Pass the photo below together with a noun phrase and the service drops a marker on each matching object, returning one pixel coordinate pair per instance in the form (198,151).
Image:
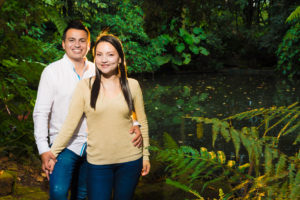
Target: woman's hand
(50,165)
(146,167)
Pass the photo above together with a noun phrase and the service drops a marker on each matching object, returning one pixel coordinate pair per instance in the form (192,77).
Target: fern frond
(294,15)
(184,188)
(215,132)
(269,169)
(281,165)
(58,20)
(278,122)
(235,135)
(211,182)
(169,142)
(292,129)
(295,187)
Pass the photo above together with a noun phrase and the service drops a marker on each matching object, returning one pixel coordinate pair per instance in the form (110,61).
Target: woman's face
(107,58)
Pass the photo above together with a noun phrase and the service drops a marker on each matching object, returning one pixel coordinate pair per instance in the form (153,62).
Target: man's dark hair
(76,24)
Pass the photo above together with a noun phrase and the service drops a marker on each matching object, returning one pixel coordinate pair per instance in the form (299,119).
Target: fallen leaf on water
(219,115)
(210,87)
(1,172)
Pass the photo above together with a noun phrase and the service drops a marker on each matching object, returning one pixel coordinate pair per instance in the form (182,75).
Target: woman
(110,102)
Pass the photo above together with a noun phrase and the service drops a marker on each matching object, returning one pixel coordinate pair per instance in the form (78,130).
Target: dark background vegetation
(159,37)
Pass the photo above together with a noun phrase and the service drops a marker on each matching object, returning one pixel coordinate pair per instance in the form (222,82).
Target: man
(56,86)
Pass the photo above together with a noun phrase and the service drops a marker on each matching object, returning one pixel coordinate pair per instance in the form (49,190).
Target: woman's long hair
(113,40)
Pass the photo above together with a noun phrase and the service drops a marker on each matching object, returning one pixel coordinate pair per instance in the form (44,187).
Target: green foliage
(165,106)
(16,101)
(182,44)
(286,117)
(122,18)
(235,31)
(24,49)
(288,51)
(184,188)
(127,23)
(294,15)
(268,173)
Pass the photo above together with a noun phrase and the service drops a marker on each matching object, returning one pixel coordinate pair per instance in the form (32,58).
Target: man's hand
(46,157)
(138,139)
(51,165)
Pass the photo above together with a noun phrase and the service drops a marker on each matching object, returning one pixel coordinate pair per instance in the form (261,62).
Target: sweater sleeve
(75,113)
(141,117)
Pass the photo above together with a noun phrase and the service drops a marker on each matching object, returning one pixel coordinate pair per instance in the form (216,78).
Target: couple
(89,124)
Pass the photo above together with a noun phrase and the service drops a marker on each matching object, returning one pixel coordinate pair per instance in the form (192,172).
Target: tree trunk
(248,11)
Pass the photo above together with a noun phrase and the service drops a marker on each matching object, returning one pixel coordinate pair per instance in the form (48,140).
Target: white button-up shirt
(57,83)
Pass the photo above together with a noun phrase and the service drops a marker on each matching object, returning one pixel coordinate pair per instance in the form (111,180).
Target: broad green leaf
(161,60)
(177,60)
(197,30)
(180,47)
(187,58)
(204,51)
(194,49)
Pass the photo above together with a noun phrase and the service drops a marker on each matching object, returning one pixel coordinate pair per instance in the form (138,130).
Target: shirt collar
(71,64)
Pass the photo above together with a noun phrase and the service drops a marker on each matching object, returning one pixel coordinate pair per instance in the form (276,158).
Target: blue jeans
(121,178)
(69,172)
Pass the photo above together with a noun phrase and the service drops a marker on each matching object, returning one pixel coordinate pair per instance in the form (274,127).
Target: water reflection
(170,96)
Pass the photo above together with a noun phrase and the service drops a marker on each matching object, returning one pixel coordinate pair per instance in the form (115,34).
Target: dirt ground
(30,181)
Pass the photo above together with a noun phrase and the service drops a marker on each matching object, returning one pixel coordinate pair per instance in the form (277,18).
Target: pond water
(168,97)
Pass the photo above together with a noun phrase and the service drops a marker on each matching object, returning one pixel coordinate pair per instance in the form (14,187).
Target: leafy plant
(269,173)
(288,51)
(165,106)
(182,44)
(23,51)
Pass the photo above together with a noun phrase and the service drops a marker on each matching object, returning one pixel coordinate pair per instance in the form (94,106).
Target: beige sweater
(109,140)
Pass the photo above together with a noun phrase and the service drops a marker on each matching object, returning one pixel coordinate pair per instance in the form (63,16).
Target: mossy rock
(7,181)
(27,193)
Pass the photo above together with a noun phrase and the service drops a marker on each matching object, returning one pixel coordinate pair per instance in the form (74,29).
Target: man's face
(76,44)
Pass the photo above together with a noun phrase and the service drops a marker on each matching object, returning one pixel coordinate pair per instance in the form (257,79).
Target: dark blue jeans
(69,172)
(120,178)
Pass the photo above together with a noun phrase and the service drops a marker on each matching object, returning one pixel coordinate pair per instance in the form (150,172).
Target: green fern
(276,174)
(58,20)
(294,15)
(184,188)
